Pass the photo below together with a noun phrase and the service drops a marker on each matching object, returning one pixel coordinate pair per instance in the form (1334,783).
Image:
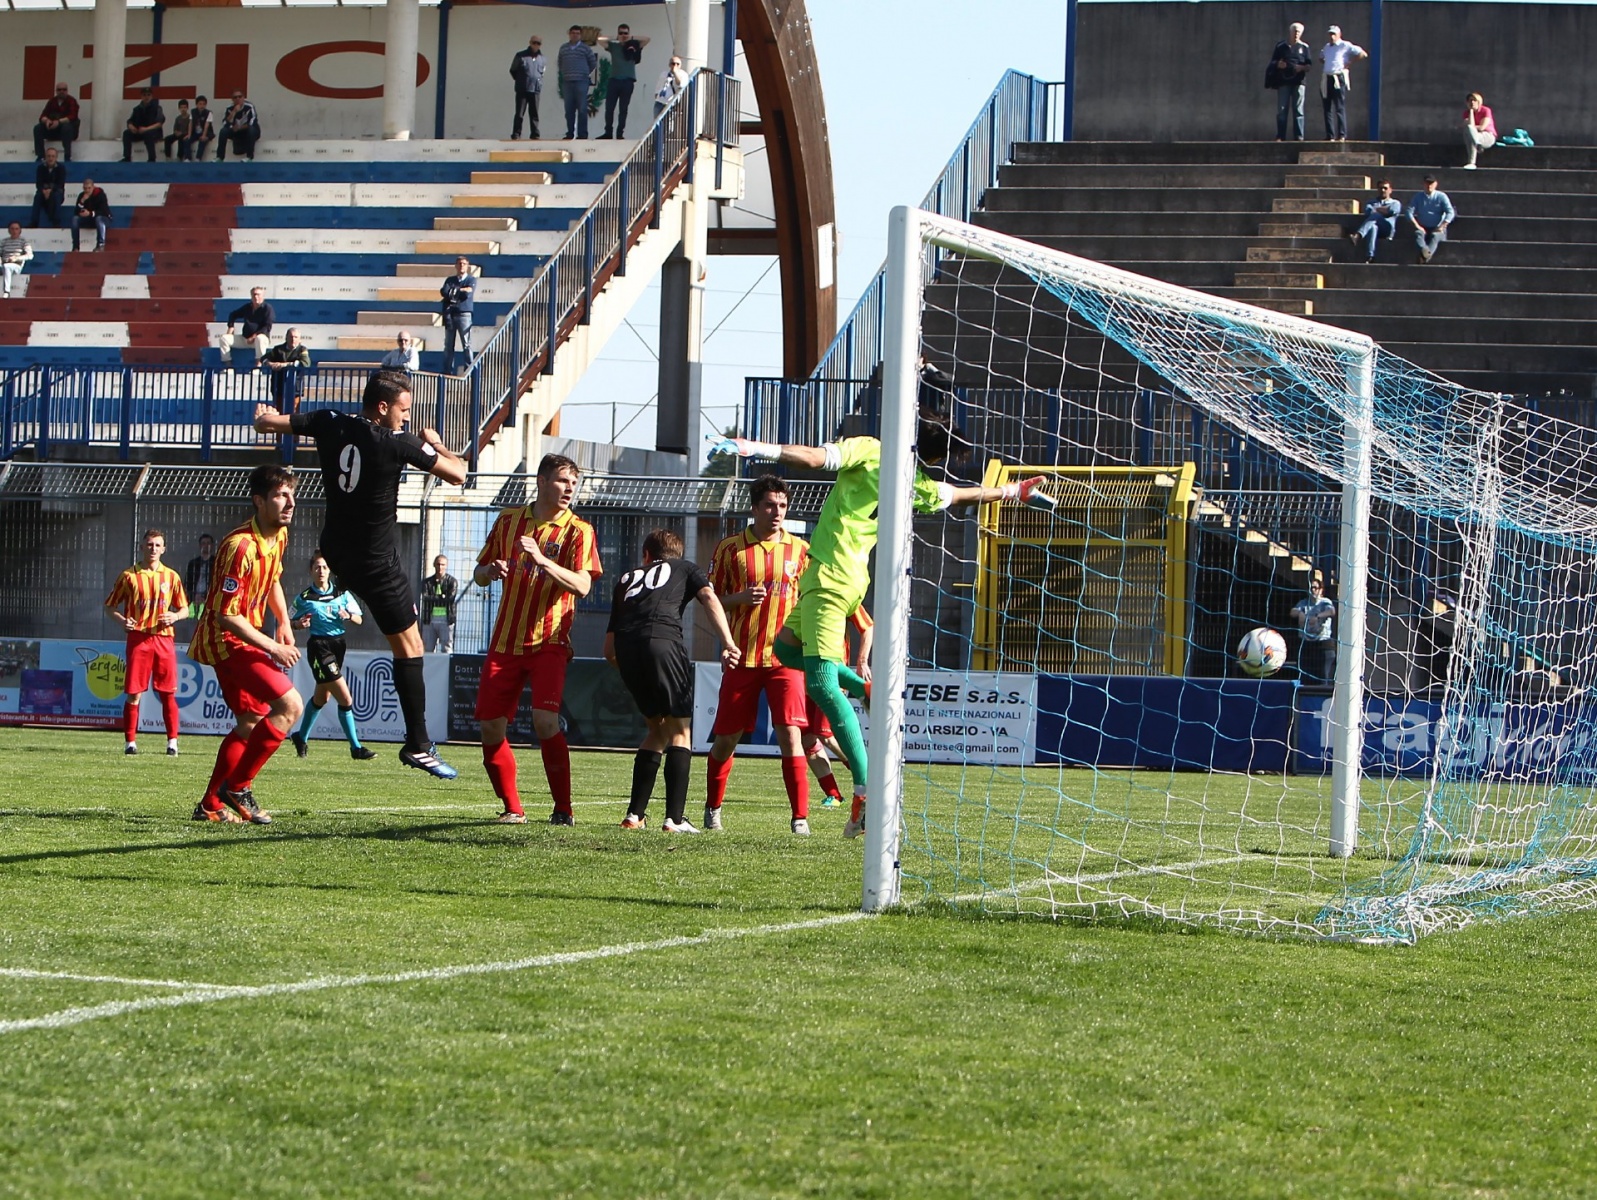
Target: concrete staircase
(1509,304)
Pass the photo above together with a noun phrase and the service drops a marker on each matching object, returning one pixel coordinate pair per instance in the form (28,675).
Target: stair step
(1291,204)
(1288,254)
(1277,280)
(476,224)
(422,270)
(1278,229)
(517,178)
(457,247)
(1297,308)
(355,341)
(408,295)
(388,317)
(1341,158)
(1351,182)
(518,200)
(543,156)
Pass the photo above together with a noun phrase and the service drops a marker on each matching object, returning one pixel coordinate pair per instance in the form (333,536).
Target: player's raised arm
(269,420)
(730,654)
(448,466)
(813,457)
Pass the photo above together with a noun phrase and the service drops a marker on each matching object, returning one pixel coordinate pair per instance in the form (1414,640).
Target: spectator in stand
(1480,131)
(404,356)
(241,127)
(16,252)
(575,67)
(286,363)
(91,210)
(144,125)
(527,70)
(1316,616)
(439,592)
(1380,216)
(1336,81)
(181,125)
(202,131)
(672,82)
(57,123)
(1432,212)
(626,52)
(1291,62)
(459,299)
(197,575)
(49,185)
(256,317)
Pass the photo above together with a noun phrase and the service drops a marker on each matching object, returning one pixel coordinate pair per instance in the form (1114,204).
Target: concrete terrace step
(1282,254)
(1279,229)
(1341,158)
(1082,197)
(517,178)
(529,156)
(1283,279)
(475,224)
(1297,204)
(394,317)
(1356,183)
(525,200)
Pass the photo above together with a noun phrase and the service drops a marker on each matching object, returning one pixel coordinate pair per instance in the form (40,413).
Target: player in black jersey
(362,459)
(644,643)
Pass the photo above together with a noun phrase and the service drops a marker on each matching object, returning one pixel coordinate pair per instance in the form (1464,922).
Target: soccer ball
(1261,652)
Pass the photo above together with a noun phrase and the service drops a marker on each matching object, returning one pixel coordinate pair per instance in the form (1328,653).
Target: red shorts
(739,703)
(251,681)
(818,724)
(151,656)
(504,675)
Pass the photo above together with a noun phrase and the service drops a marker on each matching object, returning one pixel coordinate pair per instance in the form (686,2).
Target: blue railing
(1021,109)
(207,408)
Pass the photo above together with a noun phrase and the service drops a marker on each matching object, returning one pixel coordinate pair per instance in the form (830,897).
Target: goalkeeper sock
(312,711)
(788,654)
(820,678)
(645,770)
(850,681)
(346,718)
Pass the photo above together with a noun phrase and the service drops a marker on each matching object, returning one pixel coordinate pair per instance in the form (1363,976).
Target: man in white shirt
(15,253)
(1336,82)
(405,356)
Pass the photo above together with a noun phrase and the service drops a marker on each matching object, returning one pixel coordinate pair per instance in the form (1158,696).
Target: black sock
(678,761)
(645,769)
(412,688)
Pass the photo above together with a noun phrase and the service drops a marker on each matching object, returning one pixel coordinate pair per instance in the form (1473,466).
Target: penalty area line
(208,993)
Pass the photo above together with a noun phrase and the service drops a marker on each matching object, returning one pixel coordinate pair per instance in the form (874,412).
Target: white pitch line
(206,993)
(69,977)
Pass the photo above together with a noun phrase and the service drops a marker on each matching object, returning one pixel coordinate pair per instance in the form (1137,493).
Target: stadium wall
(1168,72)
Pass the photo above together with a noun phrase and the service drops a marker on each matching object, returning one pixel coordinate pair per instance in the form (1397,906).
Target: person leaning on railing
(285,363)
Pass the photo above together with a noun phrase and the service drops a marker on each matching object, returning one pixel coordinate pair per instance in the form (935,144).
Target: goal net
(1061,723)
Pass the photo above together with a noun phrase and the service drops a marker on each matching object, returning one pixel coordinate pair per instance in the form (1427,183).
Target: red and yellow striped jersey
(534,610)
(145,594)
(248,564)
(742,561)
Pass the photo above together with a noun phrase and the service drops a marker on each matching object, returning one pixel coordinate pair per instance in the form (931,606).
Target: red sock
(795,773)
(169,713)
(500,763)
(227,756)
(557,765)
(263,743)
(718,770)
(828,781)
(130,721)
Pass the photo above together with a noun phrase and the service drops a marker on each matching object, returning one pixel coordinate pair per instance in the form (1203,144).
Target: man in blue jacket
(576,65)
(1432,212)
(459,297)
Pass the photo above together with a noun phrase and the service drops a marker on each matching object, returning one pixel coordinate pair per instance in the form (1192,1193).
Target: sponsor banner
(949,717)
(79,684)
(1163,723)
(597,709)
(1523,742)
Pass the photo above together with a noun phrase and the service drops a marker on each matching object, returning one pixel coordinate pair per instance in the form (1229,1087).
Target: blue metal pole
(693,127)
(588,264)
(1375,69)
(476,417)
(658,134)
(443,68)
(554,316)
(626,219)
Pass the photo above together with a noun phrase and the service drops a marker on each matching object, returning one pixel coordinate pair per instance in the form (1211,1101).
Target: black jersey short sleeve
(648,600)
(415,451)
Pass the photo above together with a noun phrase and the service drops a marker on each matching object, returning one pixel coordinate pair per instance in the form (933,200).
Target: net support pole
(885,755)
(1347,703)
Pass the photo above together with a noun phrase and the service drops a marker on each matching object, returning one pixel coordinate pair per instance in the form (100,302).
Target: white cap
(1334,29)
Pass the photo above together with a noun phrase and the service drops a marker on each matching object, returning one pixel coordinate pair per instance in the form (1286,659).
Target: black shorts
(326,655)
(380,584)
(658,675)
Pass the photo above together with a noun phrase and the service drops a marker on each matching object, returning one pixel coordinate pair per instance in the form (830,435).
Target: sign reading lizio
(988,719)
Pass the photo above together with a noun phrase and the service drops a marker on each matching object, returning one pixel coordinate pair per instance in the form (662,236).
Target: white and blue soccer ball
(1261,652)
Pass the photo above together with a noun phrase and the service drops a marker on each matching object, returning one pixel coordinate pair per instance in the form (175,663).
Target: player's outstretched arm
(730,654)
(813,457)
(269,420)
(1026,491)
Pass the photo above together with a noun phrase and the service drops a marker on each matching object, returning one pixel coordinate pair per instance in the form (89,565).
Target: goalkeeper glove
(745,448)
(1029,492)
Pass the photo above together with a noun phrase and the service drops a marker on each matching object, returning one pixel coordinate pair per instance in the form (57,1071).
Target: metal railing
(206,408)
(1021,108)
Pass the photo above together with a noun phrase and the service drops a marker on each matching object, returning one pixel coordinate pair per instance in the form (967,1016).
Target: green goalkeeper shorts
(820,618)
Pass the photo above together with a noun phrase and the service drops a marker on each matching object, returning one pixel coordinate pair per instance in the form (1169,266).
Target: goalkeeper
(834,583)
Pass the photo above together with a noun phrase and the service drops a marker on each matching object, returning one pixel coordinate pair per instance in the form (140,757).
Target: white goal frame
(910,232)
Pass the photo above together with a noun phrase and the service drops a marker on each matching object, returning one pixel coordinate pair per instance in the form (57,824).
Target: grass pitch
(383,994)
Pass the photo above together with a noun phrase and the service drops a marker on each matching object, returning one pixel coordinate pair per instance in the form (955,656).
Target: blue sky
(902,84)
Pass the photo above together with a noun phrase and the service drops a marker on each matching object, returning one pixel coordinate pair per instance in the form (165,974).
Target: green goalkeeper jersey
(845,534)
